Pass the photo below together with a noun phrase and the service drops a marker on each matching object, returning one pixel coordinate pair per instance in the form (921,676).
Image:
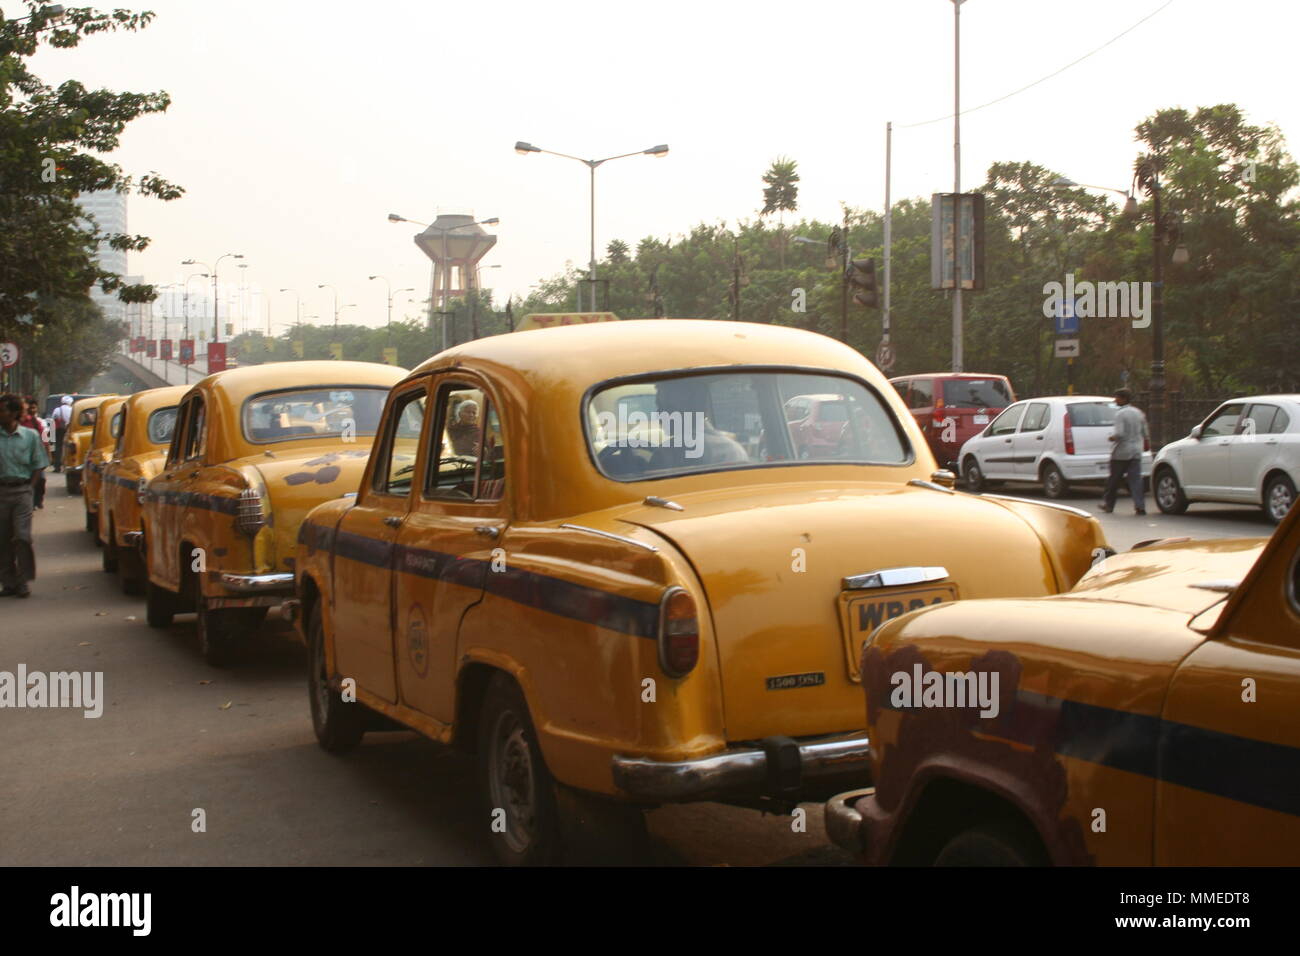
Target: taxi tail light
(141,486)
(251,518)
(679,633)
(1069,433)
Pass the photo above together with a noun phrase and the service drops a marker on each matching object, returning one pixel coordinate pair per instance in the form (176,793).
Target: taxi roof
(604,350)
(149,399)
(236,384)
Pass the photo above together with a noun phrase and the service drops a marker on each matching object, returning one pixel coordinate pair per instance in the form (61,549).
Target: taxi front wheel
(221,628)
(339,724)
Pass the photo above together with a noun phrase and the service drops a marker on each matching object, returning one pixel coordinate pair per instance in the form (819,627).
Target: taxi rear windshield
(313,413)
(161,423)
(976,392)
(679,424)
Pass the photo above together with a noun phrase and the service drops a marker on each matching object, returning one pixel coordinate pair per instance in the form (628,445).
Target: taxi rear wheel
(220,630)
(159,605)
(523,813)
(130,570)
(992,844)
(92,525)
(339,724)
(72,483)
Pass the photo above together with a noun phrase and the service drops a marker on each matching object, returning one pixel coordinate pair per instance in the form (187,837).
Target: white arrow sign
(1067,348)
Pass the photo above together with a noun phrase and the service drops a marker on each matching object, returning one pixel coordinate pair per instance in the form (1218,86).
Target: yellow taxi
(253,450)
(103,439)
(143,436)
(76,440)
(1151,716)
(594,555)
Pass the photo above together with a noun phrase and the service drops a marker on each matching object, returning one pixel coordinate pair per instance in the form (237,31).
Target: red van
(951,407)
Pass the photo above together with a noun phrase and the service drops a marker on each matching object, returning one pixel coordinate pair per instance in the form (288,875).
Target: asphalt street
(177,736)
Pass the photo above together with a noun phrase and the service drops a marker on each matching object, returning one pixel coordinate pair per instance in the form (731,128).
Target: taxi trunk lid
(295,482)
(773,560)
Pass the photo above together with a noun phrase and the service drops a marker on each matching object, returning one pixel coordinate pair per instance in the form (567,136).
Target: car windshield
(1083,414)
(161,423)
(671,425)
(313,413)
(976,392)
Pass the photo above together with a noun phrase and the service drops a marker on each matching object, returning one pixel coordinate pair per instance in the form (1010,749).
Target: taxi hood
(1186,576)
(772,559)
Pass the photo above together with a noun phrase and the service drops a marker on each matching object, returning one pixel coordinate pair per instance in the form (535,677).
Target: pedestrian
(22,459)
(32,420)
(62,417)
(1129,435)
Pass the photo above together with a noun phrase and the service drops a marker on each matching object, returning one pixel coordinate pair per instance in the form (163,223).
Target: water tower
(456,244)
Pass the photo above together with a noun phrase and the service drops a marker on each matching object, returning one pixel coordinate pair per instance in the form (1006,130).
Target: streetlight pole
(216,327)
(523,149)
(958,359)
(326,285)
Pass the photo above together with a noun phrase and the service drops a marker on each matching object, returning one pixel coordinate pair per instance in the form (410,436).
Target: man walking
(1129,435)
(62,416)
(22,459)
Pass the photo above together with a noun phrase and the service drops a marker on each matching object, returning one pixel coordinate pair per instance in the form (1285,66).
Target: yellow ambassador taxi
(76,440)
(593,555)
(253,450)
(103,438)
(143,436)
(1149,716)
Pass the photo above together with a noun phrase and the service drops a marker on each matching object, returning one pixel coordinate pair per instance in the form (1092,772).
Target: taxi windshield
(678,424)
(313,413)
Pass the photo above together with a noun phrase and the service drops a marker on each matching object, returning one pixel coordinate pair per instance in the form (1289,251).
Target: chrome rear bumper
(258,583)
(781,766)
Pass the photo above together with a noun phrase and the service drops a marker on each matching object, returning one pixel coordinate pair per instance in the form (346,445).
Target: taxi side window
(401,445)
(119,430)
(195,432)
(1035,418)
(469,447)
(178,435)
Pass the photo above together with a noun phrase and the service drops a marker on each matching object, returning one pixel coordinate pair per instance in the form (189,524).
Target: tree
(617,251)
(47,140)
(780,195)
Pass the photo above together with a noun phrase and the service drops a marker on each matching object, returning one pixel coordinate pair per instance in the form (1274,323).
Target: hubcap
(1053,482)
(511,781)
(1167,492)
(1279,501)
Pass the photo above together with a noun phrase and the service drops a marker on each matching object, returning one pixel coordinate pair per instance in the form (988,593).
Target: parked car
(1055,441)
(103,439)
(951,407)
(220,520)
(76,440)
(1160,693)
(1247,451)
(819,425)
(611,624)
(148,418)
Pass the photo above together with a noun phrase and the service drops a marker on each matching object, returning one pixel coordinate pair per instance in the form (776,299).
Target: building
(108,209)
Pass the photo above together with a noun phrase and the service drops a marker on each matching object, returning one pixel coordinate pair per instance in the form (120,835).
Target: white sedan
(1054,441)
(1247,451)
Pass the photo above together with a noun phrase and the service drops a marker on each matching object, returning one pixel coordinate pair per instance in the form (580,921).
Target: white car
(1054,441)
(1247,451)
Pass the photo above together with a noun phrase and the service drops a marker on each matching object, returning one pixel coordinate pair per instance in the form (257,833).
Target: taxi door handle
(194,473)
(487,530)
(393,521)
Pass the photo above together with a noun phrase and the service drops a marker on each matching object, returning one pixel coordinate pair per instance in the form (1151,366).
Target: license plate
(981,419)
(862,613)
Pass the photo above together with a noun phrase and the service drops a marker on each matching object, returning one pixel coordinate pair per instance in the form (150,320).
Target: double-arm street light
(524,149)
(216,328)
(388,286)
(1146,177)
(394,217)
(326,285)
(297,311)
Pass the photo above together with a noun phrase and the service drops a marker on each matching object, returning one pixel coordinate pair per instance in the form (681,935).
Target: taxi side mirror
(1196,432)
(944,477)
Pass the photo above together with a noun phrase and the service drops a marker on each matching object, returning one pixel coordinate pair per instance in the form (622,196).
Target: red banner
(137,344)
(216,357)
(151,348)
(166,349)
(187,352)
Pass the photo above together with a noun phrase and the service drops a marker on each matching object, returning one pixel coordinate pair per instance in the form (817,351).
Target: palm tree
(781,195)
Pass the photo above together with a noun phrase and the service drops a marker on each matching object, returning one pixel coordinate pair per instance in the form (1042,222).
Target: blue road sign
(1065,322)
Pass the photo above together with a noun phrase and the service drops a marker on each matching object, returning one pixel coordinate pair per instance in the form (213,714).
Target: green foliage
(47,140)
(69,349)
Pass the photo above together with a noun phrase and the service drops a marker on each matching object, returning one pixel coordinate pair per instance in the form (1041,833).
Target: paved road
(177,735)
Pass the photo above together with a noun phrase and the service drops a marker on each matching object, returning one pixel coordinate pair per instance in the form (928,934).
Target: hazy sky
(296,127)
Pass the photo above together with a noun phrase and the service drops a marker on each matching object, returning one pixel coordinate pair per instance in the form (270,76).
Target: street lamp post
(216,328)
(523,149)
(326,285)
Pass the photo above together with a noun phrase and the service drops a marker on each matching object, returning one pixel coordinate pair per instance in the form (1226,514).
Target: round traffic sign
(8,354)
(885,356)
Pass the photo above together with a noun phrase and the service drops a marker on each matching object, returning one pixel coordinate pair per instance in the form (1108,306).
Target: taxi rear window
(671,424)
(160,425)
(324,412)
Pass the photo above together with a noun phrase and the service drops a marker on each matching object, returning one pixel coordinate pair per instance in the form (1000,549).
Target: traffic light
(861,276)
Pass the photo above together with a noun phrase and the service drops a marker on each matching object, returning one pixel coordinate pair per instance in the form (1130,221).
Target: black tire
(92,525)
(130,571)
(992,844)
(1279,497)
(519,792)
(339,725)
(1168,492)
(973,475)
(221,630)
(72,483)
(1054,484)
(108,558)
(159,605)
